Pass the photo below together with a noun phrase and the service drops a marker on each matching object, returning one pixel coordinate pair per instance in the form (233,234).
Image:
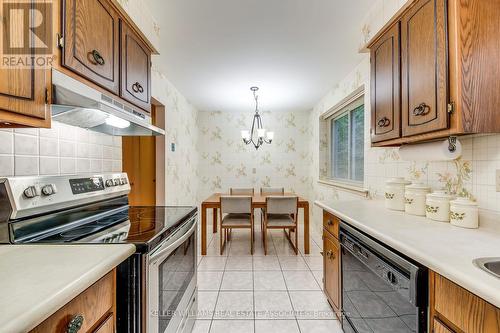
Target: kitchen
(151,145)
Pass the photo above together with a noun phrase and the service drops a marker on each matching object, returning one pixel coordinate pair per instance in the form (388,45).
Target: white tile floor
(280,292)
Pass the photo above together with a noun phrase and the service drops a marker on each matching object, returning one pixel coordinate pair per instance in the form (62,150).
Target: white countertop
(37,280)
(443,248)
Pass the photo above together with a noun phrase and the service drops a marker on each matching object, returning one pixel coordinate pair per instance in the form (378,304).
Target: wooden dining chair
(241,191)
(281,213)
(235,212)
(265,191)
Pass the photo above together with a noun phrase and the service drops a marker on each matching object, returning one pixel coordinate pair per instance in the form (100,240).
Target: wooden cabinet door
(91,39)
(107,326)
(331,270)
(135,70)
(424,79)
(440,328)
(22,88)
(385,87)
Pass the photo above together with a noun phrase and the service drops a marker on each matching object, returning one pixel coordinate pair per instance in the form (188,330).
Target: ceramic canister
(437,206)
(415,196)
(464,213)
(395,193)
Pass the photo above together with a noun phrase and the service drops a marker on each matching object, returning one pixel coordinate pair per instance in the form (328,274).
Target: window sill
(344,186)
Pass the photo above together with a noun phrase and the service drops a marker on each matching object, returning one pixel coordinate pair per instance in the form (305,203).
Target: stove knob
(49,189)
(124,181)
(116,181)
(109,183)
(32,191)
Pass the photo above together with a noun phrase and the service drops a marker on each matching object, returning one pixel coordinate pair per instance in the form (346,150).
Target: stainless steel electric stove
(157,285)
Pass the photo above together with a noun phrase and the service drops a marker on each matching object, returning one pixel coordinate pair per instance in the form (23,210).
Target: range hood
(77,104)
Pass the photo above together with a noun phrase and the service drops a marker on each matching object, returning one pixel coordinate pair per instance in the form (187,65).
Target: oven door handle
(167,248)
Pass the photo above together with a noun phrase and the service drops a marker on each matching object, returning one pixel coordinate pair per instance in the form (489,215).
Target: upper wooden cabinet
(91,41)
(385,92)
(424,79)
(448,74)
(23,90)
(135,84)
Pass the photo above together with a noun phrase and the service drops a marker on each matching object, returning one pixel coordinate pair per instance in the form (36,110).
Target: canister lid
(440,194)
(419,187)
(398,180)
(466,202)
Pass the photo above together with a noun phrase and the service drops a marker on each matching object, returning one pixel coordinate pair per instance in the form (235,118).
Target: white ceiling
(294,50)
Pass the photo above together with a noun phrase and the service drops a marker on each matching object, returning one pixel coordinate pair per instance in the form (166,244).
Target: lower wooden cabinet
(454,309)
(93,310)
(331,262)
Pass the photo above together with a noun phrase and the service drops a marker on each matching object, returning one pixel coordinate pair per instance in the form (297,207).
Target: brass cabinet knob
(329,222)
(330,255)
(75,324)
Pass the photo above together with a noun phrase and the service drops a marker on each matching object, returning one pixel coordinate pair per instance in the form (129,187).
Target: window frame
(346,110)
(346,105)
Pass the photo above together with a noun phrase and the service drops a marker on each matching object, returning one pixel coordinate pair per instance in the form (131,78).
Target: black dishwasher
(382,291)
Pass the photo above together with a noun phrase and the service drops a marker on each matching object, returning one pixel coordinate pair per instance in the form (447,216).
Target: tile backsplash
(62,149)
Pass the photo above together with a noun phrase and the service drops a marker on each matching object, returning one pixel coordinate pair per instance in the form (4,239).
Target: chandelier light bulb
(270,135)
(245,135)
(261,132)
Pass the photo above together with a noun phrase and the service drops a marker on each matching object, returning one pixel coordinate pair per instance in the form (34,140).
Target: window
(347,143)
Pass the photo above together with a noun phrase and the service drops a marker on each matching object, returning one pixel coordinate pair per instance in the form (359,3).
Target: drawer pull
(421,110)
(136,87)
(384,122)
(330,255)
(329,222)
(75,324)
(98,59)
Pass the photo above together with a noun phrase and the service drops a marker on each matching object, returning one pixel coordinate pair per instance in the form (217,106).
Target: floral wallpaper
(180,127)
(225,161)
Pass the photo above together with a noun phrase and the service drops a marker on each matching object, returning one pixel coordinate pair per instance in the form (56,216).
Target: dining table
(258,202)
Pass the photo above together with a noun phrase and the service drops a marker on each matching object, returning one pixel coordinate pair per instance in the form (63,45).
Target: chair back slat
(272,190)
(235,204)
(281,204)
(241,191)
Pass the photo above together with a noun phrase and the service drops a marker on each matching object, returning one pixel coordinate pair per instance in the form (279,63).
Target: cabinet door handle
(98,59)
(75,324)
(330,255)
(329,222)
(421,110)
(383,122)
(136,87)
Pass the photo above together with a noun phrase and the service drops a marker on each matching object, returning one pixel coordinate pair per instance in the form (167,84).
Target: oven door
(172,282)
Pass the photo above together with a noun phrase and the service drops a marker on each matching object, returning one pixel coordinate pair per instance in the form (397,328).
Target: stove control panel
(38,195)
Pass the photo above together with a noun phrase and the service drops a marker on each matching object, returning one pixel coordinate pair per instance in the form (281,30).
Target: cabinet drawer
(94,304)
(331,223)
(463,309)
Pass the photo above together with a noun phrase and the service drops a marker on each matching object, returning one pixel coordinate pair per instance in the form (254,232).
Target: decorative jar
(464,213)
(395,193)
(437,206)
(415,196)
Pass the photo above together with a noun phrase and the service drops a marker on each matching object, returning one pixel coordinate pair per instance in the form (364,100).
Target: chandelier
(261,137)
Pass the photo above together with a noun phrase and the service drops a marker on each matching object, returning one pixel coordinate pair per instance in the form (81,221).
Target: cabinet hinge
(60,41)
(451,107)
